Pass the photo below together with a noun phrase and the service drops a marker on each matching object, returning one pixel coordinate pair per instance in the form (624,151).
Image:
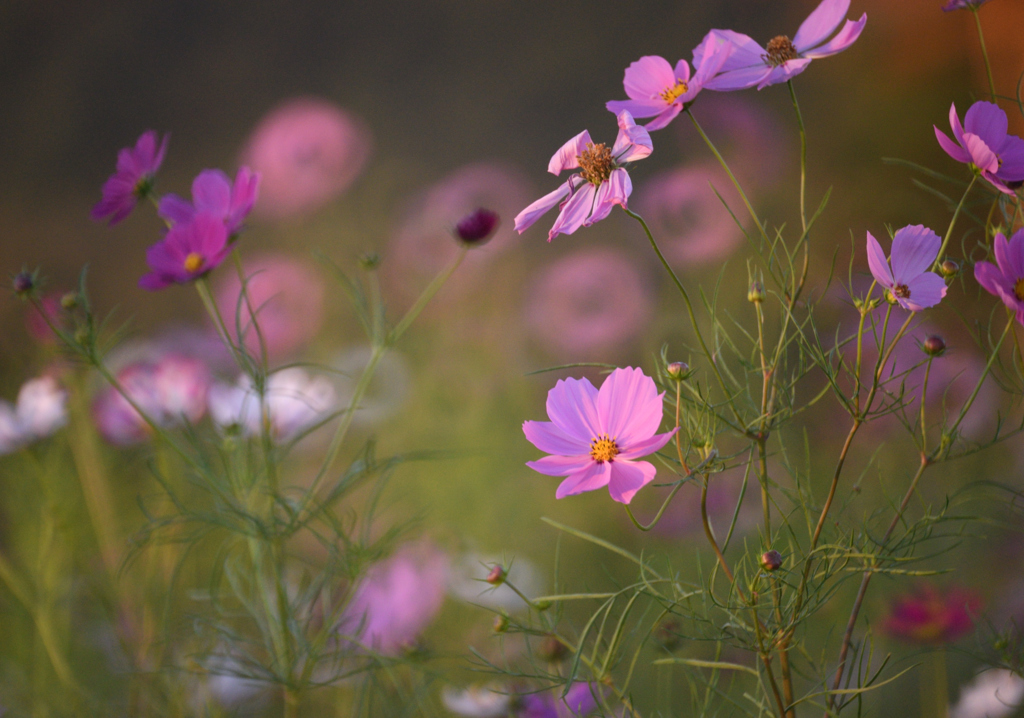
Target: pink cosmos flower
(982,142)
(1005,279)
(213,193)
(931,617)
(578,702)
(133,179)
(594,436)
(782,59)
(187,252)
(309,151)
(602,182)
(658,90)
(914,249)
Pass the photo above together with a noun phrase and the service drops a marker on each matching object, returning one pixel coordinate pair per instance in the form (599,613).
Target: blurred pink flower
(397,599)
(40,410)
(133,180)
(308,152)
(213,193)
(932,617)
(589,302)
(288,297)
(37,326)
(294,401)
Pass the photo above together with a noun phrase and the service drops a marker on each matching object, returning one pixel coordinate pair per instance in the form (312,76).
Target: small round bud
(551,649)
(756,292)
(477,226)
(771,560)
(542,605)
(369,261)
(949,268)
(500,623)
(69,301)
(496,577)
(82,336)
(23,283)
(933,345)
(677,370)
(667,635)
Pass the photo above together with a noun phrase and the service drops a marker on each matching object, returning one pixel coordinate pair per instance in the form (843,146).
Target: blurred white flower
(387,390)
(294,402)
(39,411)
(468,582)
(995,693)
(476,702)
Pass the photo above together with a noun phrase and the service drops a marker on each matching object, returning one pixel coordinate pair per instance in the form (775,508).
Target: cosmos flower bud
(771,560)
(496,577)
(756,292)
(478,226)
(500,623)
(949,268)
(69,301)
(24,283)
(677,370)
(551,649)
(667,635)
(933,345)
(369,261)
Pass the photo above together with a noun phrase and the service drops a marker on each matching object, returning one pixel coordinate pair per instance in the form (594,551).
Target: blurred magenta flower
(187,252)
(595,436)
(213,193)
(1005,278)
(308,151)
(983,143)
(397,599)
(962,4)
(133,180)
(749,64)
(294,402)
(288,297)
(658,90)
(171,390)
(995,693)
(601,183)
(914,249)
(591,301)
(931,617)
(579,701)
(39,411)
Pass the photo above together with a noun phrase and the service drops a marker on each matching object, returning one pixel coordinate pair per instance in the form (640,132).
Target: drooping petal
(604,202)
(951,148)
(633,141)
(988,121)
(743,53)
(784,72)
(662,121)
(981,154)
(561,465)
(574,212)
(572,407)
(955,126)
(844,38)
(211,192)
(154,281)
(715,50)
(175,209)
(991,278)
(648,77)
(646,447)
(550,439)
(740,79)
(593,477)
(878,264)
(244,194)
(565,158)
(926,290)
(537,209)
(628,477)
(629,407)
(914,248)
(821,23)
(637,108)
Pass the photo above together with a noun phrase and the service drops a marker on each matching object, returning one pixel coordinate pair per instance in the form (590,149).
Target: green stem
(952,223)
(984,53)
(803,157)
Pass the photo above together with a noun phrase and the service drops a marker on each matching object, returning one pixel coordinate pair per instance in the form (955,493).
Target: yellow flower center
(603,449)
(779,49)
(673,93)
(596,163)
(1018,289)
(902,291)
(193,262)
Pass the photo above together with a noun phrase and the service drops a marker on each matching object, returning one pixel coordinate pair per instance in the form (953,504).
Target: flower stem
(803,157)
(952,223)
(984,53)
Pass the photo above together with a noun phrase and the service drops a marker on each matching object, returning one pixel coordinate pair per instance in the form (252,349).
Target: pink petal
(633,141)
(784,72)
(572,407)
(1010,256)
(593,477)
(175,209)
(662,120)
(988,121)
(682,71)
(739,79)
(211,192)
(981,154)
(951,148)
(843,39)
(565,158)
(561,465)
(648,77)
(637,108)
(926,290)
(878,263)
(604,202)
(991,278)
(574,212)
(648,446)
(954,124)
(714,53)
(534,211)
(914,248)
(628,477)
(629,408)
(821,23)
(743,53)
(551,440)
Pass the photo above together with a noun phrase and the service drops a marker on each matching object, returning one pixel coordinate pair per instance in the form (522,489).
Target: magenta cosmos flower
(188,252)
(133,179)
(782,59)
(983,143)
(658,90)
(594,436)
(602,182)
(1005,278)
(914,249)
(931,617)
(213,193)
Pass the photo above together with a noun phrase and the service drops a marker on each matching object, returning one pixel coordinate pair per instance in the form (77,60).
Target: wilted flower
(477,702)
(782,59)
(213,193)
(294,402)
(995,693)
(1005,278)
(914,249)
(308,152)
(397,599)
(595,436)
(188,252)
(133,179)
(962,4)
(602,182)
(589,301)
(983,143)
(931,617)
(288,297)
(38,412)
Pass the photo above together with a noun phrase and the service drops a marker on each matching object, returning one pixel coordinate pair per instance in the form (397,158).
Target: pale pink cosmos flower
(39,411)
(293,402)
(914,249)
(591,301)
(995,693)
(983,142)
(602,182)
(308,151)
(1005,278)
(594,437)
(658,90)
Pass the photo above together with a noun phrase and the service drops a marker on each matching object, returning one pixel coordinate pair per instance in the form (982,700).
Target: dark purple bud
(23,283)
(771,560)
(933,345)
(477,226)
(756,292)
